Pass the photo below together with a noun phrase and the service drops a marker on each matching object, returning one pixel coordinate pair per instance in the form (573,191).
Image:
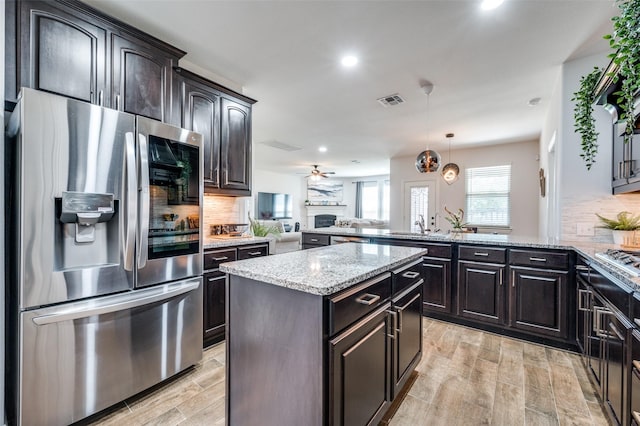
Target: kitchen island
(327,336)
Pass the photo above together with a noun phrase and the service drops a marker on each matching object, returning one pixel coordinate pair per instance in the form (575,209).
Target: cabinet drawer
(541,259)
(315,239)
(483,254)
(213,259)
(353,303)
(252,251)
(406,276)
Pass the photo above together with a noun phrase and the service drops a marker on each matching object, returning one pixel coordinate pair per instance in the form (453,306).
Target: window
(488,192)
(374,200)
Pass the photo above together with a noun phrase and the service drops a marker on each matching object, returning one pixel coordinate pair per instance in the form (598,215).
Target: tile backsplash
(583,209)
(218,210)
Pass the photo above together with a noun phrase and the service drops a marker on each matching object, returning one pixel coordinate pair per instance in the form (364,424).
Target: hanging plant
(625,42)
(582,114)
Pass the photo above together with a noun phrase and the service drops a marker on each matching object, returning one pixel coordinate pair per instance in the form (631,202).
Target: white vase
(623,238)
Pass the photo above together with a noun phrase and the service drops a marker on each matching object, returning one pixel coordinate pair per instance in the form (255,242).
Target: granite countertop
(325,270)
(586,249)
(211,242)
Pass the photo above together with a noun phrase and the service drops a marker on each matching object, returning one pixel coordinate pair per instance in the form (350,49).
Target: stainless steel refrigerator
(105,287)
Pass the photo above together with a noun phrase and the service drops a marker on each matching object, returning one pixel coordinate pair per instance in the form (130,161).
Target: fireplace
(324,220)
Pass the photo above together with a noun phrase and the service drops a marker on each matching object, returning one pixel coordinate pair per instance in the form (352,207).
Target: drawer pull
(537,259)
(582,268)
(313,240)
(481,254)
(218,259)
(368,299)
(636,416)
(254,253)
(637,321)
(212,279)
(411,274)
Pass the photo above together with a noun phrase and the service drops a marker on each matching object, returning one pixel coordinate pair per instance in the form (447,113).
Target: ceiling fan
(317,174)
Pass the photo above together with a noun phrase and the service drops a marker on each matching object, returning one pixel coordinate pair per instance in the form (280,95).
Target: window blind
(419,205)
(488,196)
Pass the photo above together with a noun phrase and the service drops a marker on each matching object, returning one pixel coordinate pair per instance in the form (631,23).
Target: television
(274,206)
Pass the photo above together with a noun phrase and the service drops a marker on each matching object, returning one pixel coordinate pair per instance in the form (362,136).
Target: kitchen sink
(418,234)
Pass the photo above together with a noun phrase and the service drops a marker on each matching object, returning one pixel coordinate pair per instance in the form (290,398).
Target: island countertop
(326,270)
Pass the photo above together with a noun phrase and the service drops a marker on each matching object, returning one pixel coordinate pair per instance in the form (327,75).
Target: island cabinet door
(214,307)
(481,292)
(437,285)
(408,328)
(360,370)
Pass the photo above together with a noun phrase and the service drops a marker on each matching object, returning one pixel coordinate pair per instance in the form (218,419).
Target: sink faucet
(420,223)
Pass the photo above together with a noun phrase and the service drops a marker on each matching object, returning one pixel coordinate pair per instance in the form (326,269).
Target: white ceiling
(485,66)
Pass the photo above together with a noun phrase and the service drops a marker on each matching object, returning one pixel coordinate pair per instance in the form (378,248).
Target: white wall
(523,158)
(581,193)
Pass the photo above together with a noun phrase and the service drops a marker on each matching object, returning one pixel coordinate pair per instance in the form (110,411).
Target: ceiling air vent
(281,145)
(391,100)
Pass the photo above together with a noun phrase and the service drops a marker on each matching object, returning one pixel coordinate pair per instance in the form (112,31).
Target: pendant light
(427,161)
(451,171)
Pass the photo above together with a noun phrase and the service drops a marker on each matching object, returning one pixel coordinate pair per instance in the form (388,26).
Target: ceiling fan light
(428,161)
(450,173)
(315,177)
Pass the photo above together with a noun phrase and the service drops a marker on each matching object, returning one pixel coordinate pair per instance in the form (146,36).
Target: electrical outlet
(585,229)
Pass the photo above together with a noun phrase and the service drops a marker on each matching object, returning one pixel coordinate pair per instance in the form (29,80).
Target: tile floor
(465,377)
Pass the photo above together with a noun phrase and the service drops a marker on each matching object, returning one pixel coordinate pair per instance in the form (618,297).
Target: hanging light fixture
(451,171)
(427,161)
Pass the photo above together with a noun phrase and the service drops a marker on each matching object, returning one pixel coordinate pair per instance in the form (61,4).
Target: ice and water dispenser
(89,231)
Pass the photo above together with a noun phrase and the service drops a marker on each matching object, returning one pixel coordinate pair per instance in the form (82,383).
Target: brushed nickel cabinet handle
(480,254)
(500,273)
(394,321)
(582,268)
(513,279)
(368,299)
(118,102)
(637,321)
(254,253)
(101,98)
(537,259)
(411,274)
(218,259)
(313,240)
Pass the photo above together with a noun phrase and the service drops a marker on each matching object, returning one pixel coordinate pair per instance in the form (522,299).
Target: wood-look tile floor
(465,377)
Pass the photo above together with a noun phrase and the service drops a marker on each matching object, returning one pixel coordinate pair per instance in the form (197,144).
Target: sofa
(285,242)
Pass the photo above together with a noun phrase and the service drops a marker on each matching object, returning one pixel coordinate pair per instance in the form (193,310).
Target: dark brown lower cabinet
(360,366)
(481,291)
(539,302)
(437,284)
(214,311)
(618,367)
(407,348)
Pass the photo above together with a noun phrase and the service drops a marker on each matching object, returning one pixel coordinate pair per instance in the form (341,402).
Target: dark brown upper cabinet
(68,48)
(223,117)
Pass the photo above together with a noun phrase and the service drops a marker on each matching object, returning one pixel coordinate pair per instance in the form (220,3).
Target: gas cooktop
(625,260)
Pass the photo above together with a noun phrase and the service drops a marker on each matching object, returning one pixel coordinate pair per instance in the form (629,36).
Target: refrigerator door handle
(143,242)
(133,300)
(132,196)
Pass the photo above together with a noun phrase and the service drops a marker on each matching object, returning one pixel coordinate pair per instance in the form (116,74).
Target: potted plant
(455,219)
(260,230)
(582,114)
(625,42)
(623,227)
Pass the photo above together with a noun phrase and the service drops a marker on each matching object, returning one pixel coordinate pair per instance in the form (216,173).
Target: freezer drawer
(79,358)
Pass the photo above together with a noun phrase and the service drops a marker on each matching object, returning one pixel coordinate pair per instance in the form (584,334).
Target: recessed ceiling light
(490,4)
(349,61)
(322,149)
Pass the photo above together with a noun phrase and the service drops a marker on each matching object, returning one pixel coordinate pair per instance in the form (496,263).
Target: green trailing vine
(625,42)
(583,118)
